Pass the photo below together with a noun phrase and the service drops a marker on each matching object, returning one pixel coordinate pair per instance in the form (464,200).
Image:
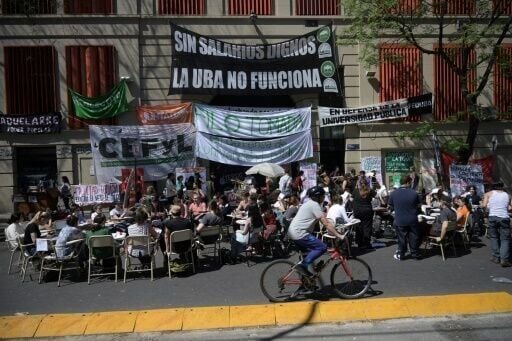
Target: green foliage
(454,145)
(422,130)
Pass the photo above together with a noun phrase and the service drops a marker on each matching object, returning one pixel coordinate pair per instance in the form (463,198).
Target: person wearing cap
(498,202)
(176,223)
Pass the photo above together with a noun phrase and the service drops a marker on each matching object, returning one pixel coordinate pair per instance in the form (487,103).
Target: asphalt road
(470,271)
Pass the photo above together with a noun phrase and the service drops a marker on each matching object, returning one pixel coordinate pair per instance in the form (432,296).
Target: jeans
(499,234)
(313,245)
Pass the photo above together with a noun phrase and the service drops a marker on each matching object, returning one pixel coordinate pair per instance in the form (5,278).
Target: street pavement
(469,272)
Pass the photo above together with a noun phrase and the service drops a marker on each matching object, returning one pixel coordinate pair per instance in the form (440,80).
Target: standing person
(405,202)
(498,203)
(180,186)
(65,192)
(170,188)
(301,229)
(363,210)
(298,182)
(285,183)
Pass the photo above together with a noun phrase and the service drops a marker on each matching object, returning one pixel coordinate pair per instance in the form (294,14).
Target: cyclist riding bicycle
(301,228)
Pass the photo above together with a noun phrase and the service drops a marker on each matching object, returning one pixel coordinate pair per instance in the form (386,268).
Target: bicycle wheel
(279,281)
(351,278)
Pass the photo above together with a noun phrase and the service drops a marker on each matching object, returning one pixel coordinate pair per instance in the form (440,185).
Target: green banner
(102,107)
(399,162)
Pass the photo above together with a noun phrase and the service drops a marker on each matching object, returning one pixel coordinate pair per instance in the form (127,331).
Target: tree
(417,23)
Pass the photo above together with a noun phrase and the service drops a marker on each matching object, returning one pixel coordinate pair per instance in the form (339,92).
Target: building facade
(50,46)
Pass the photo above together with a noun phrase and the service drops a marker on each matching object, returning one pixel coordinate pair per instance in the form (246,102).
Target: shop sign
(399,162)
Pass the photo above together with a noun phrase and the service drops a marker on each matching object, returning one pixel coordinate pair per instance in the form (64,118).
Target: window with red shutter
(30,79)
(88,6)
(29,7)
(182,7)
(400,73)
(447,90)
(317,7)
(90,71)
(503,6)
(247,7)
(454,7)
(503,80)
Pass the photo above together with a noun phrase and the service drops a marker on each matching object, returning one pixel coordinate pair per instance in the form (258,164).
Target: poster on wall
(401,108)
(31,124)
(461,176)
(158,149)
(204,65)
(96,194)
(190,174)
(372,164)
(310,171)
(399,162)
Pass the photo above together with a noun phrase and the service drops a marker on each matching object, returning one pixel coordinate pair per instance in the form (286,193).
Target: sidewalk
(219,317)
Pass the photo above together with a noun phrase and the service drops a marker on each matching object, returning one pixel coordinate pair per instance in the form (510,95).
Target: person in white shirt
(97,210)
(14,230)
(285,183)
(116,212)
(337,212)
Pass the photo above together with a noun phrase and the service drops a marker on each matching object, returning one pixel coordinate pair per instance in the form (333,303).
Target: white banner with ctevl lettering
(248,123)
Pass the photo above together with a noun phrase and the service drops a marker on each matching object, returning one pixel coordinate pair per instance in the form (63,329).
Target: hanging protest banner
(221,121)
(203,65)
(165,114)
(372,164)
(249,153)
(156,148)
(487,163)
(31,124)
(107,106)
(399,162)
(96,194)
(382,111)
(461,176)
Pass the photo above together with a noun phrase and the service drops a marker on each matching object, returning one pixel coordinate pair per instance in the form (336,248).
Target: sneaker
(495,260)
(303,270)
(397,256)
(506,264)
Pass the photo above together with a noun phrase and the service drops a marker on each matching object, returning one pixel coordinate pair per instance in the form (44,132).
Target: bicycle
(350,278)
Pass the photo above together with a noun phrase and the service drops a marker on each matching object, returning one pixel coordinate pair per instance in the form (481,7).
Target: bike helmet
(316,192)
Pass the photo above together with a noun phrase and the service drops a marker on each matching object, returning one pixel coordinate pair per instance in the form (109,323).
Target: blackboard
(399,161)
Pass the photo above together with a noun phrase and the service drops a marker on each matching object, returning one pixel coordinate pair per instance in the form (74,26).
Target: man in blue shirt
(405,203)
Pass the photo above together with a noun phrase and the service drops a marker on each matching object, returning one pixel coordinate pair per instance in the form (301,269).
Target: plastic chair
(181,236)
(450,234)
(53,262)
(132,243)
(211,237)
(107,246)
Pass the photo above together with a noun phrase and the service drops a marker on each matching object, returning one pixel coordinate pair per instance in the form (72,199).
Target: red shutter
(182,7)
(407,6)
(246,7)
(90,71)
(29,7)
(400,73)
(30,79)
(88,7)
(448,96)
(454,7)
(503,80)
(504,6)
(317,7)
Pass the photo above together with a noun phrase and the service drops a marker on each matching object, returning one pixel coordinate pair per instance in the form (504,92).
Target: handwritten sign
(96,194)
(310,170)
(462,176)
(399,161)
(372,163)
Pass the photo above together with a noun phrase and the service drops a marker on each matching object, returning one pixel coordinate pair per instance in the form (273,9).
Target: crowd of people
(284,207)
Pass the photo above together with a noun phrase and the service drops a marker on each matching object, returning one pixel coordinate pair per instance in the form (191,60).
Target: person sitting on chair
(446,215)
(337,212)
(176,223)
(211,218)
(69,233)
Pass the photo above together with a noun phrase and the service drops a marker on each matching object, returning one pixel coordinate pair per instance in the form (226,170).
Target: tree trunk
(474,122)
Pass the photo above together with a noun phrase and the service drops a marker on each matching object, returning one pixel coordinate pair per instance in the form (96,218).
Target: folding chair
(134,243)
(101,248)
(181,236)
(13,247)
(26,258)
(464,232)
(450,234)
(53,262)
(210,237)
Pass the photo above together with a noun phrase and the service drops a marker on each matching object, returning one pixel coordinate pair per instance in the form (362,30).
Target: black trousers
(411,235)
(364,229)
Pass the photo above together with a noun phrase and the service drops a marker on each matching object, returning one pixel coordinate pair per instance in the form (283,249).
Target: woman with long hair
(362,208)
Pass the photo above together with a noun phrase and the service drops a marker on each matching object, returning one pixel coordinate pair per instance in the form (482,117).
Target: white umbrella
(267,169)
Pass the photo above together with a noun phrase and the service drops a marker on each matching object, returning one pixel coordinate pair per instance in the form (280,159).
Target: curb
(183,319)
